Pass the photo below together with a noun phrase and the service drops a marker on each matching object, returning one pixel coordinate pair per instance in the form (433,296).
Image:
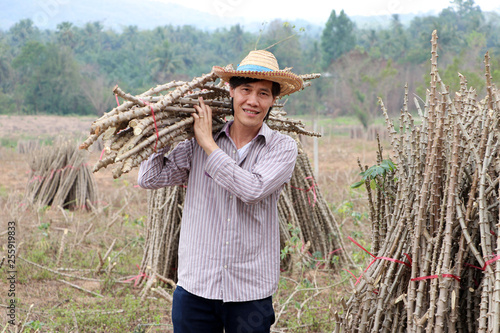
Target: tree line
(71,70)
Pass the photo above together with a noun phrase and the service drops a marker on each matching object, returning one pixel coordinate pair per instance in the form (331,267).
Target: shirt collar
(264,131)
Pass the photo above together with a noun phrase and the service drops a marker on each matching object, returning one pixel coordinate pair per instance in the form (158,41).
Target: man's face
(251,101)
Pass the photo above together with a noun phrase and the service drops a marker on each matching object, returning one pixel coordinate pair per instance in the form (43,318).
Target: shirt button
(231,197)
(225,266)
(227,243)
(234,151)
(228,220)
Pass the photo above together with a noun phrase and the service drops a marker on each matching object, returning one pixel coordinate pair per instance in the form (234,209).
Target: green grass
(4,192)
(8,142)
(117,313)
(310,309)
(129,314)
(11,142)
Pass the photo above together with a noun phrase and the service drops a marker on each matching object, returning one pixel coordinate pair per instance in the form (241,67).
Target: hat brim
(288,81)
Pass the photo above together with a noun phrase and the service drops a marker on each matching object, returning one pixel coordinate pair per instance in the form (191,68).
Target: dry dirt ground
(338,168)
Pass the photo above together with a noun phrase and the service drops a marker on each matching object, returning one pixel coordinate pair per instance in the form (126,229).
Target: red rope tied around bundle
(137,278)
(53,171)
(154,121)
(376,258)
(311,188)
(489,262)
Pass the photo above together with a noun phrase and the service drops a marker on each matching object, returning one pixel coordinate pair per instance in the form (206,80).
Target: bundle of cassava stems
(60,177)
(161,116)
(435,263)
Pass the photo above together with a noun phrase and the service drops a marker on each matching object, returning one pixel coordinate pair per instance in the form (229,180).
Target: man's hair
(237,81)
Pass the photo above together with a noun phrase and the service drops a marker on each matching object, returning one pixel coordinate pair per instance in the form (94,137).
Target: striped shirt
(229,247)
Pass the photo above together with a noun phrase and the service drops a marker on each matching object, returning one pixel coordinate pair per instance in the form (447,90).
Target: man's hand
(203,127)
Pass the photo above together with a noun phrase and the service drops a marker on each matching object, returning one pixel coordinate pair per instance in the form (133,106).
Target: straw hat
(263,65)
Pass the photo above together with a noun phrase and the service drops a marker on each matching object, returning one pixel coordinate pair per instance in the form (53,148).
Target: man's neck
(242,135)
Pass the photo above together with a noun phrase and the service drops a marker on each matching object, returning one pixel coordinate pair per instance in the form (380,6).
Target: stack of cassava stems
(161,116)
(61,177)
(438,215)
(302,206)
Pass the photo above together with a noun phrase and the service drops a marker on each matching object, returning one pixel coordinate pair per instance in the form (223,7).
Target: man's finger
(199,111)
(205,107)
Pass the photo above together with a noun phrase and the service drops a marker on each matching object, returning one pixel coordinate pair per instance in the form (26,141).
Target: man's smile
(251,111)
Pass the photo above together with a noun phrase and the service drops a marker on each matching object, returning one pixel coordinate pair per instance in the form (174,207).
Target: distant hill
(116,14)
(113,14)
(383,21)
(148,14)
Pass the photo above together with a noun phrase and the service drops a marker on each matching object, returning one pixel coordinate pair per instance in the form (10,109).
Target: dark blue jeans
(194,314)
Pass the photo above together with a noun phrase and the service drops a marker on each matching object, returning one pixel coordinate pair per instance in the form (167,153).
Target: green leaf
(388,165)
(375,170)
(358,184)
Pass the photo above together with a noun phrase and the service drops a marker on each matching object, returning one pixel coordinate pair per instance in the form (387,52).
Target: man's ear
(231,91)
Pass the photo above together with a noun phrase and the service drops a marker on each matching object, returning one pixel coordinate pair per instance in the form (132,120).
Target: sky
(319,10)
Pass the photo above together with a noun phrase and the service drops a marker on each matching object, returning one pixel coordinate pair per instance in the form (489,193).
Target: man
(229,253)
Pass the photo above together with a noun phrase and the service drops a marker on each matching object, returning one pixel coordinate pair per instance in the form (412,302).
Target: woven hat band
(261,58)
(255,68)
